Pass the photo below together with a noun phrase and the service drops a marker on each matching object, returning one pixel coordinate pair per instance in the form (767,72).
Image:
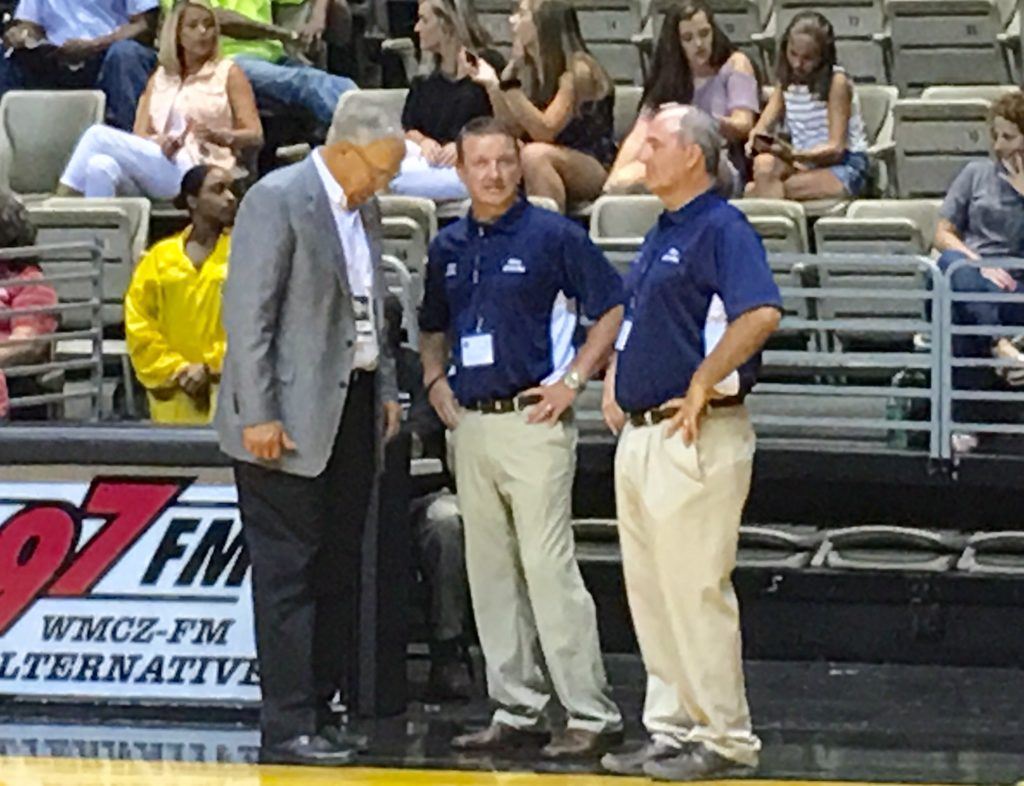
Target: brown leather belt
(656,415)
(502,406)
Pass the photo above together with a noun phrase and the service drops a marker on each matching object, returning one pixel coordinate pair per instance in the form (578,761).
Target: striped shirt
(807,119)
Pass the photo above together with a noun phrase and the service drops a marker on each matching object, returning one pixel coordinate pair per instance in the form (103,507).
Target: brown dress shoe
(580,744)
(499,737)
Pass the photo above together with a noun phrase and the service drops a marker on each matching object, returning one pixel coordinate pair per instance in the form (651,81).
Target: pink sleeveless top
(201,98)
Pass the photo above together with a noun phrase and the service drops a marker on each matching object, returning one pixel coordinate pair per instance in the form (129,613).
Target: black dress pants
(304,537)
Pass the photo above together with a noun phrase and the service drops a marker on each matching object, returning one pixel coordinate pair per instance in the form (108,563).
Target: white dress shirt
(356,247)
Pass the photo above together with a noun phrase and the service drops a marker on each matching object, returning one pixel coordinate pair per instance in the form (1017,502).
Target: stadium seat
(957,92)
(356,102)
(627,216)
(119,226)
(789,547)
(858,26)
(781,223)
(994,553)
(627,108)
(876,108)
(39,130)
(880,226)
(948,42)
(400,283)
(404,239)
(423,211)
(889,548)
(934,140)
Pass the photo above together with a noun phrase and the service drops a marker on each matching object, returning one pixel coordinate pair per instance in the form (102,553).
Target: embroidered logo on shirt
(450,271)
(514,265)
(672,255)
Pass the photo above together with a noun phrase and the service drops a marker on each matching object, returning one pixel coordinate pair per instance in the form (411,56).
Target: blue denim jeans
(291,85)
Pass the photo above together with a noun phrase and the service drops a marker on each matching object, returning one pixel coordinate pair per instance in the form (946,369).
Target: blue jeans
(121,72)
(291,85)
(969,279)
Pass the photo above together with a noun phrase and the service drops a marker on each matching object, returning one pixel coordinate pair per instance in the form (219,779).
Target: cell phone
(765,139)
(471,58)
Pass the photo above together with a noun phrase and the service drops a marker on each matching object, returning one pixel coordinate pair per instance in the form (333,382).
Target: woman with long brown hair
(560,101)
(694,63)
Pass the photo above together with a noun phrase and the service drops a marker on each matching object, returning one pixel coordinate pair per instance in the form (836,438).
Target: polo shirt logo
(514,265)
(451,270)
(672,255)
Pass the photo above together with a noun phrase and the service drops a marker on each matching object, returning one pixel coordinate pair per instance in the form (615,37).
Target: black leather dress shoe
(311,751)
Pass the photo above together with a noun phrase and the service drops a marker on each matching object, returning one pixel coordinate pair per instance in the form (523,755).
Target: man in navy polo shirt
(500,294)
(683,465)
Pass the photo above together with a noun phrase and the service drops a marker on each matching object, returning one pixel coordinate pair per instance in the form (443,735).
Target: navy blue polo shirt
(705,248)
(505,279)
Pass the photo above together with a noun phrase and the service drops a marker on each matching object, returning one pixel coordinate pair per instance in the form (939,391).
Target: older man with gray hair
(307,396)
(675,391)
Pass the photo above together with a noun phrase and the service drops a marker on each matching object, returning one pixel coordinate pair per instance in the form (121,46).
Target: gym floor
(820,723)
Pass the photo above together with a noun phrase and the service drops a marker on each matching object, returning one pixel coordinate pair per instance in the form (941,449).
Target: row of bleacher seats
(907,43)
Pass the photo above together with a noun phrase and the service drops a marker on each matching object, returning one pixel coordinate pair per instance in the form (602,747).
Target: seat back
(622,217)
(781,224)
(39,130)
(119,227)
(951,42)
(627,108)
(923,213)
(959,92)
(400,284)
(934,140)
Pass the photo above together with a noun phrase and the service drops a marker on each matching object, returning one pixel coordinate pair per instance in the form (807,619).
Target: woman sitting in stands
(559,98)
(20,288)
(826,157)
(172,308)
(694,63)
(198,108)
(443,99)
(982,218)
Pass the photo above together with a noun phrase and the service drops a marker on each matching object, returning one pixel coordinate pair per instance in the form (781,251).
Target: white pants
(108,162)
(679,513)
(419,178)
(531,607)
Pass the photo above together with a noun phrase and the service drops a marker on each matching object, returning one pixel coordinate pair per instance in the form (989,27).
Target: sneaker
(963,442)
(699,763)
(632,762)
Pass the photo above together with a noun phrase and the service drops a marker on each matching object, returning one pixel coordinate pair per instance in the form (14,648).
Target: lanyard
(476,298)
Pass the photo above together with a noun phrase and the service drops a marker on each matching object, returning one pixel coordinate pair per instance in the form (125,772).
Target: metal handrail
(77,252)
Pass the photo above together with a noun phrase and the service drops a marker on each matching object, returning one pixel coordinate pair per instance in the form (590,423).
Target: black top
(592,130)
(439,106)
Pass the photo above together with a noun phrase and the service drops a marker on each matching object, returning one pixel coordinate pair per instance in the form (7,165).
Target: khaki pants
(679,517)
(515,483)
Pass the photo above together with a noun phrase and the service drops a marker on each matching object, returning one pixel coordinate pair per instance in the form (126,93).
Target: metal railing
(966,394)
(75,271)
(857,356)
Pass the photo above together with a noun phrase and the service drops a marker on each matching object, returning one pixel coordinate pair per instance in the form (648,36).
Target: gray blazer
(289,320)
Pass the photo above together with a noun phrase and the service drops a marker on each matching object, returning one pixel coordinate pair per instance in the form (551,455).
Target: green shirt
(259,11)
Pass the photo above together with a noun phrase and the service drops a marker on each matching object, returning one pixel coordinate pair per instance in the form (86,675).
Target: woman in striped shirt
(826,157)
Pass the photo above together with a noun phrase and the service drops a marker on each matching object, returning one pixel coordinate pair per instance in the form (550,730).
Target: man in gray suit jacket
(307,394)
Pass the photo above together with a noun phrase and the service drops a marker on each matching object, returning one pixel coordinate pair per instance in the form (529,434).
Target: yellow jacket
(171,319)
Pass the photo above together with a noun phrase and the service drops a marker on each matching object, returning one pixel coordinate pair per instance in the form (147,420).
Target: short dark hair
(16,228)
(483,126)
(1009,107)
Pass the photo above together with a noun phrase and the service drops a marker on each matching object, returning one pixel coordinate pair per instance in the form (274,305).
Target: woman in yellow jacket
(173,305)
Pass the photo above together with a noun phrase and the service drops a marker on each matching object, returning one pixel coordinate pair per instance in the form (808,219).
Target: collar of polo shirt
(695,205)
(504,223)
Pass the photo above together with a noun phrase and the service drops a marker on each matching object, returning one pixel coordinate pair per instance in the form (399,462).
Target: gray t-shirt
(986,211)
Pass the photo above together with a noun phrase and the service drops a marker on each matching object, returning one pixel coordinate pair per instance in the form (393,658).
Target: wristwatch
(574,381)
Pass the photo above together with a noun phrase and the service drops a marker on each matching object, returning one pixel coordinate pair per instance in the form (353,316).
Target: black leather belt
(656,415)
(502,406)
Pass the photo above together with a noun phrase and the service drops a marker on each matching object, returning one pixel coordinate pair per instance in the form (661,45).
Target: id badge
(623,337)
(478,350)
(364,318)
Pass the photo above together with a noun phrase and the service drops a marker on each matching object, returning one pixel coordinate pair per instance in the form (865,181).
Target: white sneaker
(964,443)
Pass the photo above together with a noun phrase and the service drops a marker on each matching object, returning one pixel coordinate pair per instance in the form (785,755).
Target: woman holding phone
(443,98)
(827,158)
(198,108)
(559,99)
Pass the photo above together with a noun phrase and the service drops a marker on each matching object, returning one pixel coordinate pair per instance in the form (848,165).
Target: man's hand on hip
(442,399)
(392,419)
(267,441)
(690,410)
(554,400)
